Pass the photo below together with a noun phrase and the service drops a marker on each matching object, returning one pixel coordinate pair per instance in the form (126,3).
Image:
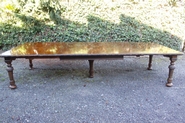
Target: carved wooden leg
(10,73)
(183,47)
(171,69)
(30,64)
(150,62)
(91,68)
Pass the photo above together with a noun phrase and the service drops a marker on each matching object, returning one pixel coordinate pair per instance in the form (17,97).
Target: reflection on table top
(89,48)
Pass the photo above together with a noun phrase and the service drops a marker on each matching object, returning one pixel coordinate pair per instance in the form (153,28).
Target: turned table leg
(30,64)
(10,73)
(171,69)
(150,62)
(91,68)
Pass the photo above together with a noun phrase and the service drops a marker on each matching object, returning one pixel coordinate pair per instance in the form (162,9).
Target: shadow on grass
(97,30)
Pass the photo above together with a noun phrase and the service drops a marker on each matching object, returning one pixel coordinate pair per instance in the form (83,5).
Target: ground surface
(122,91)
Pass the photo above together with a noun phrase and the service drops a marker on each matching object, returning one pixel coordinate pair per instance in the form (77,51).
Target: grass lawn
(160,21)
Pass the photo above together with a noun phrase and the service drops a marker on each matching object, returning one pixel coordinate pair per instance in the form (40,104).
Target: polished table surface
(89,48)
(89,51)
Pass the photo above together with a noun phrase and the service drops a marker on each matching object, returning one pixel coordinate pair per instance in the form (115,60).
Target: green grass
(148,21)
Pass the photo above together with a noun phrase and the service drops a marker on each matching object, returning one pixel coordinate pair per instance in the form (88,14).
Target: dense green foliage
(52,20)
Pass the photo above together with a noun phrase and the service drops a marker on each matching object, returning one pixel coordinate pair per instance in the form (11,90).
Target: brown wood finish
(88,51)
(91,71)
(30,64)
(171,70)
(10,69)
(150,62)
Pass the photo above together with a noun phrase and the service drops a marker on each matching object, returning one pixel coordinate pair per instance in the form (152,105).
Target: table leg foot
(171,70)
(13,86)
(91,71)
(169,84)
(150,62)
(10,73)
(91,76)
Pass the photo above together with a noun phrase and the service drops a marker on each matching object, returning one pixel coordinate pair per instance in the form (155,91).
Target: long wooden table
(88,51)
